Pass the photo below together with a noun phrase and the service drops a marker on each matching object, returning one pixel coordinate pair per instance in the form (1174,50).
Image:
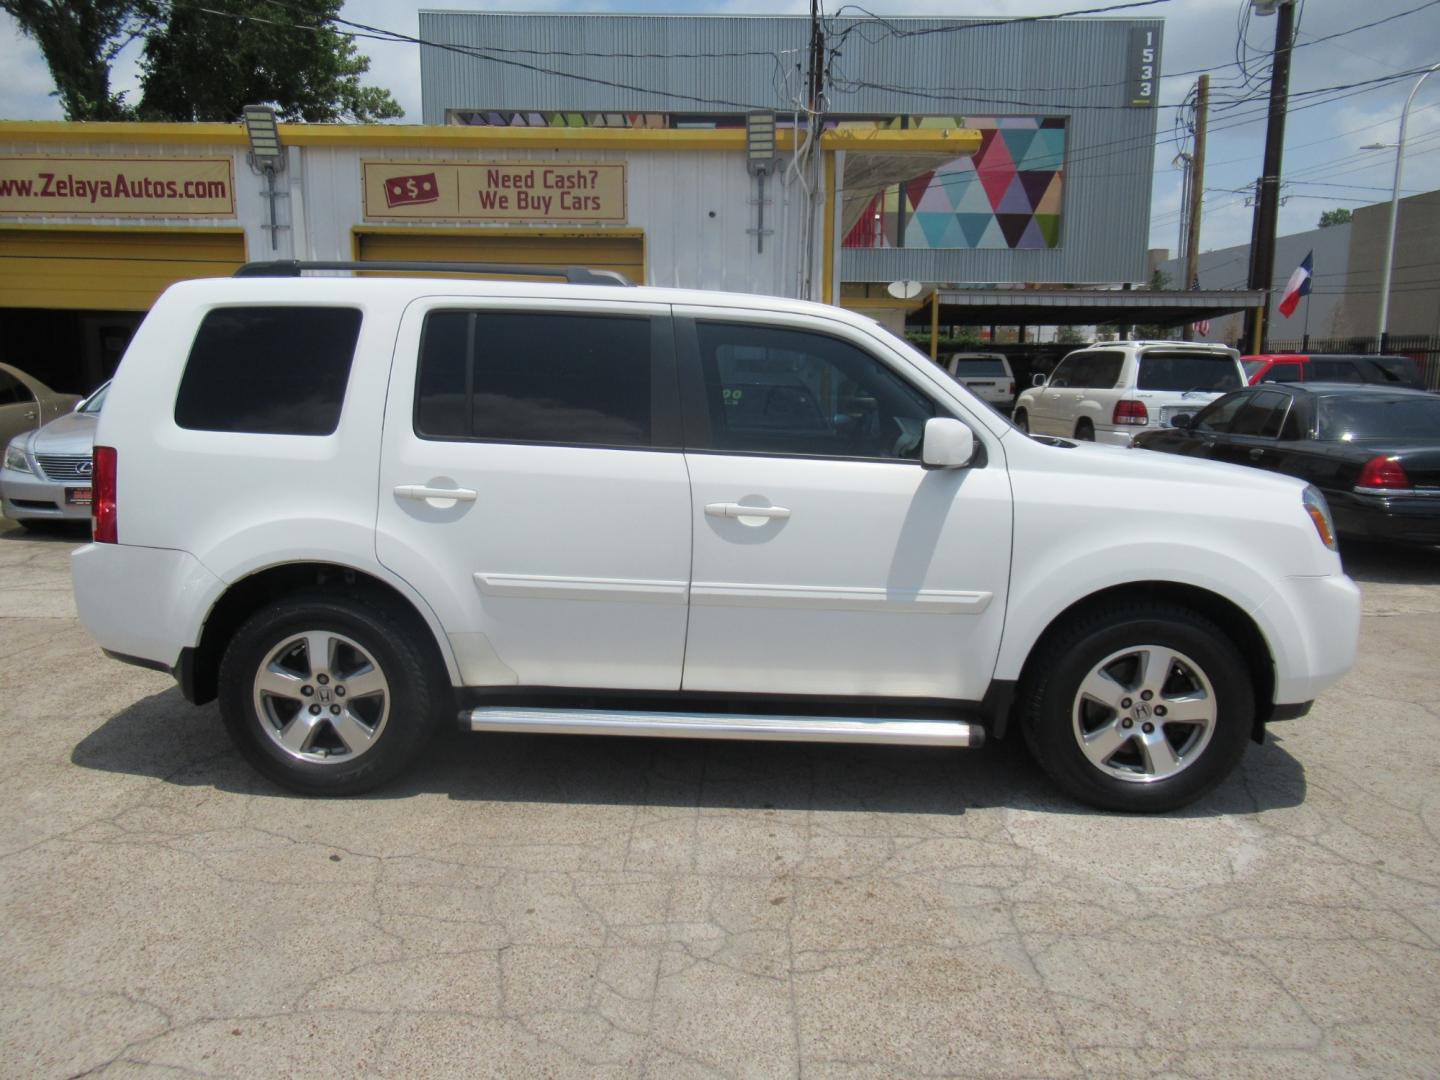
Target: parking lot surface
(548,906)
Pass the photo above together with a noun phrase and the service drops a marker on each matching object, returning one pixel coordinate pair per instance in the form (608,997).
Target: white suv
(1109,392)
(353,508)
(986,375)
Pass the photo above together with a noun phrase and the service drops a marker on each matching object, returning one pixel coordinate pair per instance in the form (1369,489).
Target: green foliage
(79,40)
(202,66)
(204,62)
(1339,216)
(1068,335)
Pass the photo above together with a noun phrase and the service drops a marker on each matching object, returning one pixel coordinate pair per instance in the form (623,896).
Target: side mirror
(1037,380)
(1182,421)
(947,444)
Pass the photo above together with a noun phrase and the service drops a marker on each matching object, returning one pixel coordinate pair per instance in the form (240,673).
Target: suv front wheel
(326,694)
(1138,707)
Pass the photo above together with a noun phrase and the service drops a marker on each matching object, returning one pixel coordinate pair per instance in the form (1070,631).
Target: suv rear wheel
(326,694)
(1021,420)
(1138,707)
(1085,431)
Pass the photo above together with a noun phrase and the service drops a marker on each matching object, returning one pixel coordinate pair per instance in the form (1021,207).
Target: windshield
(1252,366)
(95,402)
(1187,371)
(978,365)
(1343,419)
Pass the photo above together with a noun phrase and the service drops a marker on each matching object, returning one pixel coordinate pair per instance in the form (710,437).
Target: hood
(1120,464)
(73,433)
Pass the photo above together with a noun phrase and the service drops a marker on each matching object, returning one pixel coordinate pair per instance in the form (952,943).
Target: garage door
(121,270)
(622,251)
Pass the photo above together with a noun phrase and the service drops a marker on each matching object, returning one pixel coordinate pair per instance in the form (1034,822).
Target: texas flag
(1297,286)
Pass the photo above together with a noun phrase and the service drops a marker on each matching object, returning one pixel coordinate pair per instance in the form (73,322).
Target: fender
(235,558)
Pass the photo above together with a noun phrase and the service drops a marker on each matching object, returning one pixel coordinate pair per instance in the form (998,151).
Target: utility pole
(815,126)
(1197,183)
(1267,204)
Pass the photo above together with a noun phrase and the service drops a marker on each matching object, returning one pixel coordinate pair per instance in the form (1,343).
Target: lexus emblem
(85,468)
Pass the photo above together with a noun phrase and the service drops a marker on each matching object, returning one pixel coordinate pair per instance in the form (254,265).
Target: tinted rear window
(1252,366)
(979,368)
(1400,370)
(520,377)
(268,370)
(1374,417)
(1187,371)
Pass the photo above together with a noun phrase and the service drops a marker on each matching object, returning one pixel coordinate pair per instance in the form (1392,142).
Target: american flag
(1202,327)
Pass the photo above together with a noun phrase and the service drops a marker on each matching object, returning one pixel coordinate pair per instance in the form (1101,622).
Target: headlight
(1319,512)
(15,457)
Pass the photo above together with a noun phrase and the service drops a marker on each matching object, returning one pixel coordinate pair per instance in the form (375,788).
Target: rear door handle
(420,491)
(1257,453)
(737,510)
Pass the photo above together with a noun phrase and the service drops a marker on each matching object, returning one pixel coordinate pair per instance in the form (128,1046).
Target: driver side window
(770,390)
(1219,415)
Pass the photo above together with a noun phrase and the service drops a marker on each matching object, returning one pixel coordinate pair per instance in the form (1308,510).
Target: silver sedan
(47,472)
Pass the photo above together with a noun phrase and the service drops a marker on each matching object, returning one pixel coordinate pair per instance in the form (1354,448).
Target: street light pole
(1382,342)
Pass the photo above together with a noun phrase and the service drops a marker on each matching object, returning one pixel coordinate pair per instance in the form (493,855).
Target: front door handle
(1257,453)
(739,510)
(420,491)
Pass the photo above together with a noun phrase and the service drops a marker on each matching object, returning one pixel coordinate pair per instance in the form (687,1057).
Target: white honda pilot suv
(354,508)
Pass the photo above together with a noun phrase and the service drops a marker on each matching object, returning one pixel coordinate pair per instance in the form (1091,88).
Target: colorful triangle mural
(1009,194)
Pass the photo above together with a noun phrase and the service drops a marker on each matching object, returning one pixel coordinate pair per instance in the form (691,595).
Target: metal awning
(1086,307)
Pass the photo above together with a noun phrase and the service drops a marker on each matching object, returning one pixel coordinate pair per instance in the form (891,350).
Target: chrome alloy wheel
(321,697)
(1144,714)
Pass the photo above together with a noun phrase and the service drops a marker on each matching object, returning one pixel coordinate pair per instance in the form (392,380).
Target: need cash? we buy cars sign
(494,191)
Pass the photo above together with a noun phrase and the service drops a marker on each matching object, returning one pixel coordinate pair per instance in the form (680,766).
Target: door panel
(552,564)
(864,574)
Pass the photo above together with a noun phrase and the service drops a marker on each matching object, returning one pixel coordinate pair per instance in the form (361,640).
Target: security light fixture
(266,153)
(267,157)
(760,143)
(1265,7)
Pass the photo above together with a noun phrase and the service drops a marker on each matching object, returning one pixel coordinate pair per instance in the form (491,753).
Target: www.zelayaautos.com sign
(151,187)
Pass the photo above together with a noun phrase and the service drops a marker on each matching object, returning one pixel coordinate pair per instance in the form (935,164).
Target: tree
(79,40)
(204,66)
(1340,216)
(204,62)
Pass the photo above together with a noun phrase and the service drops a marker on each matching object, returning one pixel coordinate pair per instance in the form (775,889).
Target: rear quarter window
(278,370)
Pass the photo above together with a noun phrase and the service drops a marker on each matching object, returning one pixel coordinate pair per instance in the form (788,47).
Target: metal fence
(1423,349)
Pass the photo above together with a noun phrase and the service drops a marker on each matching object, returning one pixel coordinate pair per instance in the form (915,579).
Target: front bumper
(1312,625)
(28,497)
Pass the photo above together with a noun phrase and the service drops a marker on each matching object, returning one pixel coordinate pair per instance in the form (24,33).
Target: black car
(1373,450)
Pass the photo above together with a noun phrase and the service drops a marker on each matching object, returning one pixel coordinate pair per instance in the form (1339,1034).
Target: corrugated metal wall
(1075,68)
(694,207)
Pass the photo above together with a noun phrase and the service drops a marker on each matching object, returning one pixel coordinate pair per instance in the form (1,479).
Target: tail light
(1383,475)
(102,497)
(1130,412)
(1012,389)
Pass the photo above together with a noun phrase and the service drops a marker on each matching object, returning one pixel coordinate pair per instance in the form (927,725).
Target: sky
(1324,168)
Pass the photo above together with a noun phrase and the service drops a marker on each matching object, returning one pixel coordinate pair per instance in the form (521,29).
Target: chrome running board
(687,725)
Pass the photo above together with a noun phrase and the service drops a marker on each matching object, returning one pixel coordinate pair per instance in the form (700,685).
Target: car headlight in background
(15,457)
(1319,512)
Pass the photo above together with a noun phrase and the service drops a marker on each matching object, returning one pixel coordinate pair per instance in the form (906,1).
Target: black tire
(1021,420)
(1053,712)
(1085,431)
(414,697)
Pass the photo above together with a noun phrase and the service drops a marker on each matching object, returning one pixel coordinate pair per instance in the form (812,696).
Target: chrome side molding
(687,725)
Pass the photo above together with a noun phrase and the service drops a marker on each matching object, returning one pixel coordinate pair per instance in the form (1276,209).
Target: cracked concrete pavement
(547,906)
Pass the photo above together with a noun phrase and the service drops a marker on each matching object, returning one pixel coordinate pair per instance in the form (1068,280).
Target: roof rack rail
(574,275)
